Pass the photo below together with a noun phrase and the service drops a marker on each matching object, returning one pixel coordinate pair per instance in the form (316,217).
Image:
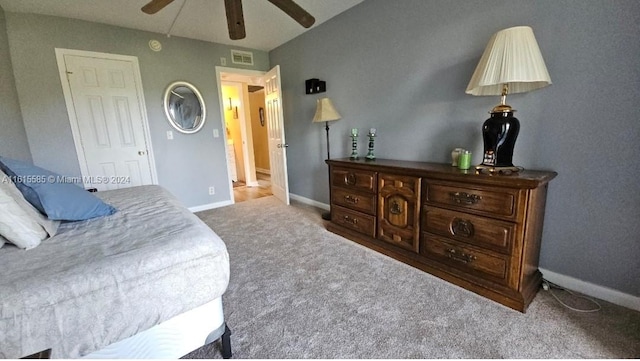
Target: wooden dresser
(479,231)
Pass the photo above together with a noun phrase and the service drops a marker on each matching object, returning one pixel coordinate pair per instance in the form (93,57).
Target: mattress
(103,280)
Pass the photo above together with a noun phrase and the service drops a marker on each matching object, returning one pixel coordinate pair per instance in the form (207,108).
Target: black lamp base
(499,133)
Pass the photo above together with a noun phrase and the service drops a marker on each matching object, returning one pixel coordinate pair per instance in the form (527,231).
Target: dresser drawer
(480,231)
(364,202)
(361,180)
(485,264)
(493,202)
(356,221)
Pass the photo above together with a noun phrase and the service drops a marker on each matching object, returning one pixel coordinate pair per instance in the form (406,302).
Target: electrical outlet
(216,134)
(223,61)
(169,134)
(212,191)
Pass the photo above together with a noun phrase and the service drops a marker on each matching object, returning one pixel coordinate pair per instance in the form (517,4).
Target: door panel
(109,121)
(399,210)
(275,130)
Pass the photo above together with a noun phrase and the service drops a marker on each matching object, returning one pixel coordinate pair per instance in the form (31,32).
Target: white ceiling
(267,27)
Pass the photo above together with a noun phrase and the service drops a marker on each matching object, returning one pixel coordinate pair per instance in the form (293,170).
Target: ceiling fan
(235,17)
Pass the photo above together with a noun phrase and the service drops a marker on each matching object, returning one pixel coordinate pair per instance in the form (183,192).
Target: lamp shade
(511,57)
(325,111)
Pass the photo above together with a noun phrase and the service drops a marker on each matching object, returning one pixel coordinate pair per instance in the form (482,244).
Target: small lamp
(511,63)
(326,112)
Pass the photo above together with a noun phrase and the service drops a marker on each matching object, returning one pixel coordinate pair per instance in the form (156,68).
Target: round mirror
(184,107)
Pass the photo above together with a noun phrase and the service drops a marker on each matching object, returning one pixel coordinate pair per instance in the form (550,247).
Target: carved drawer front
(358,201)
(483,232)
(354,179)
(399,210)
(356,221)
(485,264)
(493,202)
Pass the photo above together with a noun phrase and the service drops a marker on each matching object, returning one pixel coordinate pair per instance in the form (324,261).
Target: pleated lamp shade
(325,111)
(511,57)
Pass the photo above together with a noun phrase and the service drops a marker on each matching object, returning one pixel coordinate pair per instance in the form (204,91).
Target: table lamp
(511,63)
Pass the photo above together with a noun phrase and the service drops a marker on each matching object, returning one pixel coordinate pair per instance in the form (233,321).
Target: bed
(145,282)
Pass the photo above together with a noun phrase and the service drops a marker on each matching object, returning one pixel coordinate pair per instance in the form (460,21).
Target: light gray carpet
(299,291)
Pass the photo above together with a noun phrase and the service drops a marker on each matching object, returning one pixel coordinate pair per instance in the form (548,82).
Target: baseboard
(593,290)
(309,201)
(206,207)
(253,184)
(263,171)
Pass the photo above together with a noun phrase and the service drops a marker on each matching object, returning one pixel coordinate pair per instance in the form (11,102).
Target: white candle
(354,132)
(372,131)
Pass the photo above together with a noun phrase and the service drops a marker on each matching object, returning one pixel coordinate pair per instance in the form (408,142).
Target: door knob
(285,145)
(141,152)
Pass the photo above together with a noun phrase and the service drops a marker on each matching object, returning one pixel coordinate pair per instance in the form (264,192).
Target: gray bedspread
(102,280)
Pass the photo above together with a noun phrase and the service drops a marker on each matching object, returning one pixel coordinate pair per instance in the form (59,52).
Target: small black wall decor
(315,86)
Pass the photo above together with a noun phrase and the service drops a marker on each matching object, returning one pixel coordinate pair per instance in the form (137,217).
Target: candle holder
(354,146)
(372,136)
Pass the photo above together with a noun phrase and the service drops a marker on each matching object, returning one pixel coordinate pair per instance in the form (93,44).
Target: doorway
(246,130)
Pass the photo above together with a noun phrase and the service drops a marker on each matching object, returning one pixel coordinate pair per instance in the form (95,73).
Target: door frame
(245,73)
(68,99)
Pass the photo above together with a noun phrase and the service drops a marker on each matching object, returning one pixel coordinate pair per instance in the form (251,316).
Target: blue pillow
(51,195)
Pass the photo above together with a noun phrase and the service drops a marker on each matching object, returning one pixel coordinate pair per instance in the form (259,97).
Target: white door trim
(66,90)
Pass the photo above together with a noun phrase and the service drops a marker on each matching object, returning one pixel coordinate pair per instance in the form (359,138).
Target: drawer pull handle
(460,256)
(351,220)
(350,179)
(461,227)
(395,208)
(351,199)
(465,198)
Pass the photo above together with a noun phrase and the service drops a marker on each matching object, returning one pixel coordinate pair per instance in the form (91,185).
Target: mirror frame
(170,119)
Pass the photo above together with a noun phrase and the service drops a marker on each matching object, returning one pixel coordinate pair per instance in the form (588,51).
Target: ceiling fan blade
(235,19)
(295,11)
(155,5)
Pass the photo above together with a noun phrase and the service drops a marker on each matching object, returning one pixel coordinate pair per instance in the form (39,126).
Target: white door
(107,119)
(275,130)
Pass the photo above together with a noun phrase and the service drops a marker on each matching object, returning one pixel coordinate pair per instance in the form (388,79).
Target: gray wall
(13,138)
(402,67)
(187,165)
